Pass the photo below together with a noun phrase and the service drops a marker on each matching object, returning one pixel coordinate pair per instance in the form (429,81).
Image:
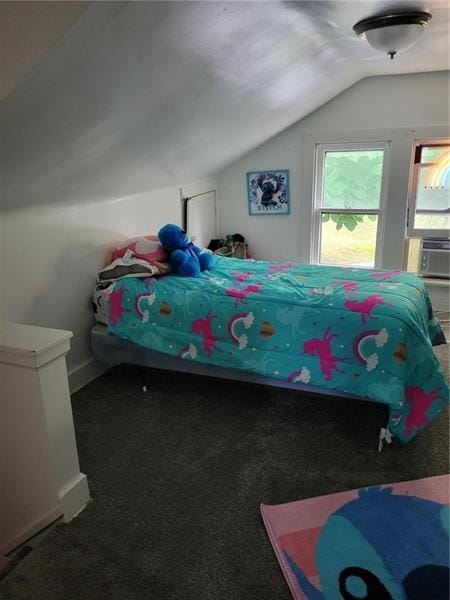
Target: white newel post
(40,477)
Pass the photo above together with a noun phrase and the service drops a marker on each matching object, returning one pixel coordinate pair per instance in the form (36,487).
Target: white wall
(396,108)
(50,256)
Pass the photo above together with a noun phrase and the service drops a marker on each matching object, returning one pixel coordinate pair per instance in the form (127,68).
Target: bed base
(111,350)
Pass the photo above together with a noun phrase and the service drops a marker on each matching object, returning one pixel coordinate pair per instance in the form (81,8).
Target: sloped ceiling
(27,31)
(142,95)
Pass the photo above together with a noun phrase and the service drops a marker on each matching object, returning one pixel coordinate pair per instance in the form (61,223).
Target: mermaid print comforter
(368,333)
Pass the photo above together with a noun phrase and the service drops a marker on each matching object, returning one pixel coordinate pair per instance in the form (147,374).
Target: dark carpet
(177,475)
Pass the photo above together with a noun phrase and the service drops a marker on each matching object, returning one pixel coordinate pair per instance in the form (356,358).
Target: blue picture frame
(268,192)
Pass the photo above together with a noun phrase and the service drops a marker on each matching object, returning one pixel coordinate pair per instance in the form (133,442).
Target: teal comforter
(368,333)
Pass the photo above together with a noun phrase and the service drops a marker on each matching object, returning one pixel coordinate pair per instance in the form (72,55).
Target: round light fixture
(393,33)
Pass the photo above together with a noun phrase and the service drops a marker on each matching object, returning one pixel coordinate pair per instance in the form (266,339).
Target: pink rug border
(287,573)
(292,583)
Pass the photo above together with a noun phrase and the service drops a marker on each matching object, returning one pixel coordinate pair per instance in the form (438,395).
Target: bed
(338,331)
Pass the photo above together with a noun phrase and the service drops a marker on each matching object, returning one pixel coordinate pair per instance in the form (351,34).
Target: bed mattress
(355,331)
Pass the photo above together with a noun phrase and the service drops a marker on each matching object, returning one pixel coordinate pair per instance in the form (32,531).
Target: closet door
(201,218)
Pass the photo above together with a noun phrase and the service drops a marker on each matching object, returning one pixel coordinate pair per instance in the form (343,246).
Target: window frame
(318,180)
(411,231)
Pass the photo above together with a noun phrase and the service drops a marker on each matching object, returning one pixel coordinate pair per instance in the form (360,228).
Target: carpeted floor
(177,475)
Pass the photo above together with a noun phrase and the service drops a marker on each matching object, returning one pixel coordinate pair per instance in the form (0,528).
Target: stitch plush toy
(185,257)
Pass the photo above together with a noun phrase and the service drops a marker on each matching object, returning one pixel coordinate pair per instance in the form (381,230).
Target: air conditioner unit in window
(435,258)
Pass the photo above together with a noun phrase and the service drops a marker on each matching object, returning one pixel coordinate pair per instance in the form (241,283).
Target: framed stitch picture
(268,192)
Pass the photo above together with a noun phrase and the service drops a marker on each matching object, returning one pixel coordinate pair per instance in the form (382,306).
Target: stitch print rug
(380,543)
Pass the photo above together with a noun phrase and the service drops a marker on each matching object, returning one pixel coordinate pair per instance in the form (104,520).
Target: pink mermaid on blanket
(366,306)
(321,347)
(240,294)
(420,402)
(204,328)
(116,309)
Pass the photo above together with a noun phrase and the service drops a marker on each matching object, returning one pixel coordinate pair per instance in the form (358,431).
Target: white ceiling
(27,31)
(141,95)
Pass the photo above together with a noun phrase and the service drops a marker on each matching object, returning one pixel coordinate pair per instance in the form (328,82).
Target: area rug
(383,542)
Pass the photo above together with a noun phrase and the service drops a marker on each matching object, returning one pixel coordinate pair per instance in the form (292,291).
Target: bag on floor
(233,246)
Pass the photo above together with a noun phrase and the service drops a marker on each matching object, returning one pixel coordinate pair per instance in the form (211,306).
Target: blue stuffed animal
(186,258)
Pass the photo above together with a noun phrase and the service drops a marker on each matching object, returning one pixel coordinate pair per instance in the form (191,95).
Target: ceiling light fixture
(393,33)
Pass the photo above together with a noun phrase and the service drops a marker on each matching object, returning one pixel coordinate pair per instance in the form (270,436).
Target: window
(349,198)
(429,197)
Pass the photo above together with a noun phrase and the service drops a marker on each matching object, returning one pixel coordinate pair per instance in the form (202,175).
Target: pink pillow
(147,247)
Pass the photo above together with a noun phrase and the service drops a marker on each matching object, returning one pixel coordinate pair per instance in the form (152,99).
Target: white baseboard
(32,529)
(74,497)
(84,374)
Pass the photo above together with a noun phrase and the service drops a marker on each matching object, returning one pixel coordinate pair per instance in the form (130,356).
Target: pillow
(147,248)
(130,266)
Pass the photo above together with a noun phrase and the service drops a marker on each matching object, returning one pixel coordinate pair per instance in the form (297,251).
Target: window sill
(431,281)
